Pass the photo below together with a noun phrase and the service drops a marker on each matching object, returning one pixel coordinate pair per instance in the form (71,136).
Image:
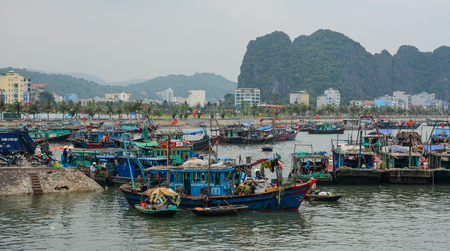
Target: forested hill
(215,86)
(327,59)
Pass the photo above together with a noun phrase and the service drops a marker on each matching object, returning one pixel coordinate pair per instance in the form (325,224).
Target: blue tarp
(198,132)
(69,123)
(438,131)
(433,147)
(384,131)
(137,128)
(247,124)
(108,125)
(265,128)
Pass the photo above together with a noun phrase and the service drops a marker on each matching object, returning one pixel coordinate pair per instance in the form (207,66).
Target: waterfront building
(251,95)
(368,103)
(117,96)
(406,98)
(179,100)
(299,97)
(355,102)
(4,95)
(57,98)
(421,98)
(15,85)
(195,97)
(330,97)
(168,95)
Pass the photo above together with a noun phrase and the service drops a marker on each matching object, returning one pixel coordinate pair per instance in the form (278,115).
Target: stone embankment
(17,180)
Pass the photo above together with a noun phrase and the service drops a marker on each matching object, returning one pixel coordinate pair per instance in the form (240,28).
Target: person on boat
(64,156)
(70,154)
(253,188)
(239,189)
(92,170)
(247,189)
(5,150)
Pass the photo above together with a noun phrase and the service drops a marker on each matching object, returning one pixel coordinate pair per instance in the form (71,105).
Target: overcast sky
(124,40)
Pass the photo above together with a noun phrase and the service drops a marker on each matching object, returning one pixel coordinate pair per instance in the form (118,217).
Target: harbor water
(382,217)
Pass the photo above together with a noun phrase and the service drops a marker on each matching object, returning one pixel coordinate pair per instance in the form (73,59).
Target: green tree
(16,107)
(3,107)
(33,108)
(47,107)
(46,97)
(109,109)
(63,107)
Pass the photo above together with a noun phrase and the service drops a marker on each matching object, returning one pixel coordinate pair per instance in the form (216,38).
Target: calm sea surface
(382,217)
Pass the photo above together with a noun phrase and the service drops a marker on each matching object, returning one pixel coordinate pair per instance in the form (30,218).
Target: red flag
(81,113)
(339,117)
(442,124)
(120,116)
(385,114)
(370,114)
(84,118)
(317,116)
(193,113)
(174,122)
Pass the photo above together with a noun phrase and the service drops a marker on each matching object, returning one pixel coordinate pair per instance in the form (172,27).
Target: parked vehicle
(48,161)
(14,158)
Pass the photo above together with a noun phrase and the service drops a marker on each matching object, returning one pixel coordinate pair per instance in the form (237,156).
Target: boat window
(217,179)
(172,178)
(225,177)
(177,178)
(187,177)
(203,177)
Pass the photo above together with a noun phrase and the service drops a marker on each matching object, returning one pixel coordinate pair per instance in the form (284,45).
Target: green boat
(167,212)
(50,135)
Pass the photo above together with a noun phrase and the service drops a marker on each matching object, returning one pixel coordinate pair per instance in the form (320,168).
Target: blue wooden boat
(168,212)
(323,128)
(191,182)
(283,134)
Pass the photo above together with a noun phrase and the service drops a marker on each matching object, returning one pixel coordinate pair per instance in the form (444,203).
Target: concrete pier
(17,180)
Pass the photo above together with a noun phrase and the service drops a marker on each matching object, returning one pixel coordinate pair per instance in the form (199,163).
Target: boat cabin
(348,155)
(400,159)
(306,163)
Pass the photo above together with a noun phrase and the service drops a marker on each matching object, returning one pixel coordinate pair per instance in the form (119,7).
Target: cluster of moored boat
(151,164)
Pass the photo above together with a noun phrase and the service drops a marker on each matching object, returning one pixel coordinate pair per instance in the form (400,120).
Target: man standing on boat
(92,169)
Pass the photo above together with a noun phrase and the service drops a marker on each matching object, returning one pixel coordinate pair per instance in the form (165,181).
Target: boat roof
(218,168)
(413,154)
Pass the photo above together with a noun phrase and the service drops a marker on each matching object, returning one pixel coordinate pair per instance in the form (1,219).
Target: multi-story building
(57,98)
(406,98)
(330,97)
(251,95)
(4,95)
(36,89)
(356,102)
(112,97)
(168,95)
(300,97)
(15,85)
(422,98)
(196,97)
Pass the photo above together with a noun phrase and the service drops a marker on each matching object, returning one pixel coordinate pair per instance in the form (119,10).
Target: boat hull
(58,139)
(157,213)
(357,176)
(284,137)
(290,199)
(442,176)
(203,144)
(338,131)
(244,141)
(409,176)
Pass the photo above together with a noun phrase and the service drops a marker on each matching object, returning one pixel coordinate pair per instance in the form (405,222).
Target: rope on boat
(232,207)
(280,189)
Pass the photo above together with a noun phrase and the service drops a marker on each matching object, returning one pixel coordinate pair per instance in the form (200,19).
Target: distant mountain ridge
(328,59)
(215,86)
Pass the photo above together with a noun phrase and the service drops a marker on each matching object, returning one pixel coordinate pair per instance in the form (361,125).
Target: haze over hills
(215,86)
(327,59)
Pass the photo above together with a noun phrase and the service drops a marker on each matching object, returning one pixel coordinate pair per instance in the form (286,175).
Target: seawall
(17,180)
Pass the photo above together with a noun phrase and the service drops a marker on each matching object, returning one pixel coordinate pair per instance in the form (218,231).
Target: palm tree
(16,107)
(63,107)
(33,108)
(128,108)
(119,110)
(2,108)
(47,107)
(99,110)
(137,107)
(109,109)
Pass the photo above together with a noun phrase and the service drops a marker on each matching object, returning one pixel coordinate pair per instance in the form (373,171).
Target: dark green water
(370,217)
(385,217)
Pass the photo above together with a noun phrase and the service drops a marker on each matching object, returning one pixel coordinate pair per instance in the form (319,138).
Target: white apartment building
(195,97)
(252,95)
(299,97)
(330,97)
(405,97)
(168,95)
(422,98)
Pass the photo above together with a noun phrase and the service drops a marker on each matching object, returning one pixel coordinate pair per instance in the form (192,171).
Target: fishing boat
(397,125)
(326,128)
(436,122)
(283,133)
(166,212)
(96,139)
(245,135)
(192,179)
(267,148)
(41,135)
(307,165)
(218,211)
(356,124)
(201,144)
(439,162)
(355,163)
